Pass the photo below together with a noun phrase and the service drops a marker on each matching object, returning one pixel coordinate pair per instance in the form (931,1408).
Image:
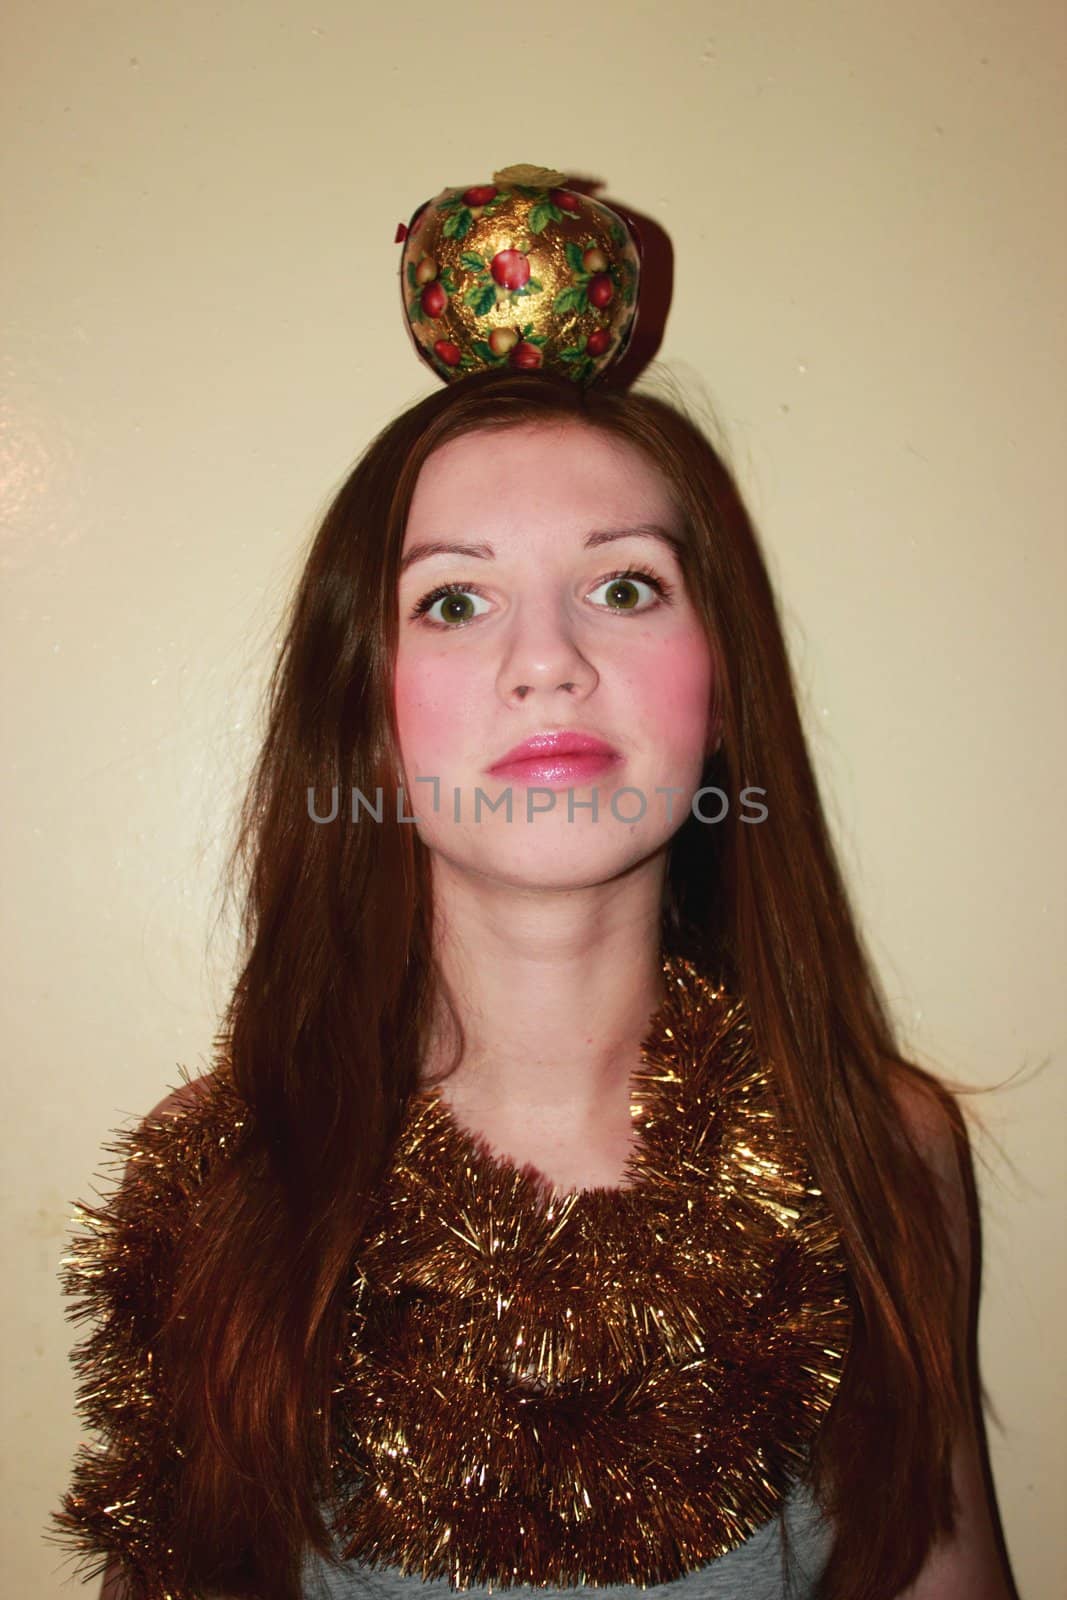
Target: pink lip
(564,756)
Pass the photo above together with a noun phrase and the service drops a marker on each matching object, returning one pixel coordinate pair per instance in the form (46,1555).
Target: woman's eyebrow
(485,552)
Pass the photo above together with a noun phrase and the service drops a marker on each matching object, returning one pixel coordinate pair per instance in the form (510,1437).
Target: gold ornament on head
(520,274)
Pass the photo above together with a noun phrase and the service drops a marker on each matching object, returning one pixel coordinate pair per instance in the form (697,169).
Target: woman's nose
(542,653)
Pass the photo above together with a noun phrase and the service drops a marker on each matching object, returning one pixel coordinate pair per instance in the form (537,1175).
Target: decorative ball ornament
(521,274)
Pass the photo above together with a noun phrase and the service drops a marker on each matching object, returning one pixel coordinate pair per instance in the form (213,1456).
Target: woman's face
(538,635)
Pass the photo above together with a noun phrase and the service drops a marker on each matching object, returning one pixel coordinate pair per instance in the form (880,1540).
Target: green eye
(617,587)
(623,586)
(456,599)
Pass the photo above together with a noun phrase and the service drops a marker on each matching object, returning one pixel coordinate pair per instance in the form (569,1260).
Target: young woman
(462,1029)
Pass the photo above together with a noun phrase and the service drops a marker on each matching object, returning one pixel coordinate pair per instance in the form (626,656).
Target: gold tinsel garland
(118,1275)
(603,1386)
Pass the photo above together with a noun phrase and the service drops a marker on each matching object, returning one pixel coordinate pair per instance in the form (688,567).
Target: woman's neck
(549,1034)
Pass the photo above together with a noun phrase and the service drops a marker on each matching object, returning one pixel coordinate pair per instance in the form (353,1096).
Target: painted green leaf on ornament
(618,235)
(527,193)
(572,353)
(447,281)
(542,214)
(458,224)
(481,298)
(480,348)
(472,261)
(412,281)
(415,311)
(572,299)
(573,253)
(536,338)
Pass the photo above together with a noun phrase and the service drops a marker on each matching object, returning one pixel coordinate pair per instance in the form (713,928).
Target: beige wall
(866,203)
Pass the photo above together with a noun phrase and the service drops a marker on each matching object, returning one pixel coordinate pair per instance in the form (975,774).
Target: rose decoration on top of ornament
(522,274)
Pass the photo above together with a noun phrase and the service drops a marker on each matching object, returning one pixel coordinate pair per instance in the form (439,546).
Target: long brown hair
(331,1011)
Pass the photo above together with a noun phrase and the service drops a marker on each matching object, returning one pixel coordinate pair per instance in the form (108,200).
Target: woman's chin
(571,857)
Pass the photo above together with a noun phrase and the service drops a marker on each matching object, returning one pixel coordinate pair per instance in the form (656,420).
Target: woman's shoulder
(166,1154)
(931,1116)
(210,1097)
(933,1120)
(188,1096)
(156,1169)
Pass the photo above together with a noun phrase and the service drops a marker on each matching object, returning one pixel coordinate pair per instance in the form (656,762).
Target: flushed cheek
(435,713)
(673,695)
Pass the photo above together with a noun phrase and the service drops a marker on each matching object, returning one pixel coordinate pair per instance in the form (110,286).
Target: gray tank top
(755,1570)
